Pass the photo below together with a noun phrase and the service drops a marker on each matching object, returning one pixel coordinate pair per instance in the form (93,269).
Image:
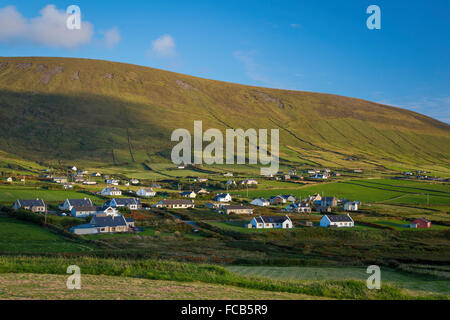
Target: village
(274,212)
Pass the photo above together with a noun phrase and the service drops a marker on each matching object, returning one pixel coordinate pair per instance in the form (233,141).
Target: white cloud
(295,25)
(12,24)
(111,38)
(47,29)
(163,47)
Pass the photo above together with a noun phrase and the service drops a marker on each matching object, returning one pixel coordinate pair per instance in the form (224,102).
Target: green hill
(114,113)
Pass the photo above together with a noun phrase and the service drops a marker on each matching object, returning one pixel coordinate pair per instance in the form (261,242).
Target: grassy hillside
(60,109)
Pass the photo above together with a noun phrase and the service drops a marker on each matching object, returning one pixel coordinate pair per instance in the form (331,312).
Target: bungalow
(329,202)
(263,222)
(249,182)
(216,205)
(84,229)
(351,206)
(84,211)
(134,181)
(228,174)
(420,223)
(189,194)
(176,204)
(260,202)
(286,177)
(341,220)
(223,197)
(110,224)
(67,186)
(96,174)
(146,192)
(231,182)
(70,203)
(236,209)
(201,180)
(9,179)
(130,203)
(37,205)
(111,191)
(89,183)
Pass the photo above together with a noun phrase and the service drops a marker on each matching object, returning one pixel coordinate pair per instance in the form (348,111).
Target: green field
(374,190)
(21,237)
(8,195)
(404,280)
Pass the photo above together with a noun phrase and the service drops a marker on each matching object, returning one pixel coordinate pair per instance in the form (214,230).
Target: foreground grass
(416,282)
(50,286)
(187,272)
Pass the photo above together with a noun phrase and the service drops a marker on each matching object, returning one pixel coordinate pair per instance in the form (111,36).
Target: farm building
(176,204)
(264,222)
(420,223)
(37,205)
(341,220)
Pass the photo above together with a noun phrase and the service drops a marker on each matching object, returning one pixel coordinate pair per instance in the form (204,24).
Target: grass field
(374,190)
(21,237)
(9,195)
(94,287)
(404,280)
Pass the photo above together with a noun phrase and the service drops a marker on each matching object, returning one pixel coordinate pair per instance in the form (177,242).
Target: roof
(271,219)
(238,207)
(31,203)
(80,202)
(339,218)
(329,198)
(176,201)
(129,220)
(109,221)
(421,219)
(85,226)
(85,208)
(127,201)
(187,193)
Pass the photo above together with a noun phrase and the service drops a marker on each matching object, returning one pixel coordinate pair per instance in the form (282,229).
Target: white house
(130,203)
(341,220)
(134,181)
(230,182)
(113,182)
(268,222)
(260,202)
(89,183)
(319,176)
(223,197)
(351,206)
(146,192)
(111,191)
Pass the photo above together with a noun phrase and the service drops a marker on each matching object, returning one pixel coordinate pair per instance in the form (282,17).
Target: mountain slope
(107,112)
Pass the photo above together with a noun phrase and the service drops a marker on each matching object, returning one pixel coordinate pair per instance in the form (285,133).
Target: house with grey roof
(70,203)
(130,203)
(37,205)
(271,222)
(103,223)
(176,204)
(337,220)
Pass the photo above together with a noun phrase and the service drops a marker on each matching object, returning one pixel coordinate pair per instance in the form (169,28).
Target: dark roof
(129,219)
(32,203)
(329,198)
(421,219)
(271,219)
(108,221)
(85,208)
(339,218)
(85,226)
(80,202)
(238,207)
(127,201)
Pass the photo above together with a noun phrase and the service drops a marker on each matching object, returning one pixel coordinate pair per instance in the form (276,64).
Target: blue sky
(321,46)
